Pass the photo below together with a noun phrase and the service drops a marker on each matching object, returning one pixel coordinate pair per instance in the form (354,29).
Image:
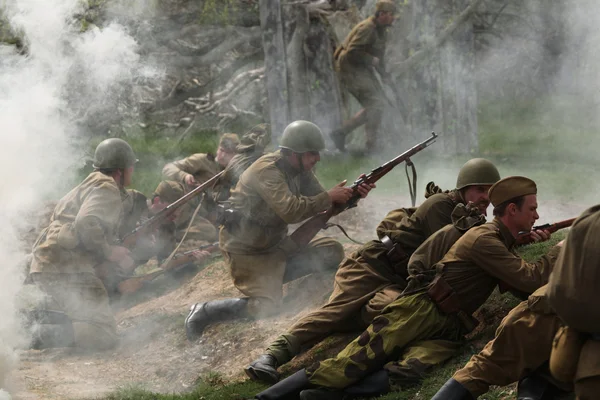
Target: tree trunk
(443,90)
(275,65)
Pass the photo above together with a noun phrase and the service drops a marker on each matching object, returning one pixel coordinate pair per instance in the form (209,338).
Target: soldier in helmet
(373,276)
(276,190)
(197,169)
(435,314)
(363,51)
(80,237)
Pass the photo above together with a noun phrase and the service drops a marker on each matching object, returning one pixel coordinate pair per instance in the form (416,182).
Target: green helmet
(114,153)
(302,136)
(477,171)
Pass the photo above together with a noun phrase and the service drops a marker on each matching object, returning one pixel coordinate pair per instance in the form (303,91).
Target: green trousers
(409,332)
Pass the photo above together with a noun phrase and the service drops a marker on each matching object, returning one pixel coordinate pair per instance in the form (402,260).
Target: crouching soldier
(276,190)
(80,237)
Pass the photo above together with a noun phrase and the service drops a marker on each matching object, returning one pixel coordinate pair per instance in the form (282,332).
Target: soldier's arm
(98,218)
(358,49)
(491,255)
(192,165)
(272,187)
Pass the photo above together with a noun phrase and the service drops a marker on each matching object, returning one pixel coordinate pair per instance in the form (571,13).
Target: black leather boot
(452,390)
(534,387)
(289,388)
(203,314)
(373,385)
(263,369)
(50,329)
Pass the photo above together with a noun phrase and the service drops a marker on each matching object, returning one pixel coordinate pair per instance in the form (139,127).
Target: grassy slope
(213,387)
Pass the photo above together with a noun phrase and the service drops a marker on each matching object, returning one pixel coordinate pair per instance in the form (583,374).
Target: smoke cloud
(47,94)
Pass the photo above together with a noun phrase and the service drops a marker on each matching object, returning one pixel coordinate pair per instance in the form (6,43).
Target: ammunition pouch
(443,296)
(447,302)
(225,216)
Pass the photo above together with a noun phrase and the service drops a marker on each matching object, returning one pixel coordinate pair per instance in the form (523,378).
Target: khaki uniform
(573,295)
(522,344)
(255,242)
(414,326)
(82,228)
(202,167)
(353,62)
(368,280)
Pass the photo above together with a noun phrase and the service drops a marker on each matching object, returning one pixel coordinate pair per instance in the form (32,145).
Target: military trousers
(360,293)
(83,298)
(522,344)
(410,335)
(261,276)
(361,82)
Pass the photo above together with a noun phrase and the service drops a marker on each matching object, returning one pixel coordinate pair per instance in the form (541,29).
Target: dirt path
(154,353)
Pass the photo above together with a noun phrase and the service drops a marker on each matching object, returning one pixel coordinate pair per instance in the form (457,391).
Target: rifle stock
(135,283)
(130,239)
(525,237)
(304,234)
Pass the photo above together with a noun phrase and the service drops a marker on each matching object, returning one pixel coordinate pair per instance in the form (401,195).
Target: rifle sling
(341,228)
(412,186)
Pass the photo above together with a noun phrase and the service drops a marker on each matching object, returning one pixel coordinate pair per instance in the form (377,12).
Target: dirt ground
(154,353)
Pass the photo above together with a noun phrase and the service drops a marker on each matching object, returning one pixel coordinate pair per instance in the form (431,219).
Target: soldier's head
(515,202)
(475,179)
(166,192)
(116,158)
(226,149)
(385,12)
(301,143)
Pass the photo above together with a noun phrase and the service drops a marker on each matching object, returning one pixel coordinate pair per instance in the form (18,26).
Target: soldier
(80,236)
(363,51)
(276,190)
(437,314)
(533,336)
(252,146)
(375,275)
(197,169)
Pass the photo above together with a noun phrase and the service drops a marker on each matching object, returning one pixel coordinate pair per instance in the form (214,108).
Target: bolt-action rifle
(148,226)
(135,283)
(313,225)
(526,238)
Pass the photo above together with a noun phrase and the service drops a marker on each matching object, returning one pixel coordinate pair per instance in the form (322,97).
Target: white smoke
(45,94)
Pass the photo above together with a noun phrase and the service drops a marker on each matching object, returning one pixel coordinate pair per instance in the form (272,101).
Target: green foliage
(218,12)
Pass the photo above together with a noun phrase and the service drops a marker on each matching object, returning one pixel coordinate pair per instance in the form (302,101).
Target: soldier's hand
(375,61)
(540,235)
(363,189)
(190,180)
(340,194)
(122,257)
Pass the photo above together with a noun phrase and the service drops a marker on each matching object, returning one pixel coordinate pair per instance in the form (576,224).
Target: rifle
(313,225)
(525,237)
(135,283)
(130,239)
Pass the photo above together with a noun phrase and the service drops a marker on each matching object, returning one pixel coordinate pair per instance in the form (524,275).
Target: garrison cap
(229,142)
(169,191)
(509,188)
(385,5)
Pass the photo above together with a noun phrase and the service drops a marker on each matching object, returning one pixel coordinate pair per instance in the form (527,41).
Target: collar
(507,238)
(285,166)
